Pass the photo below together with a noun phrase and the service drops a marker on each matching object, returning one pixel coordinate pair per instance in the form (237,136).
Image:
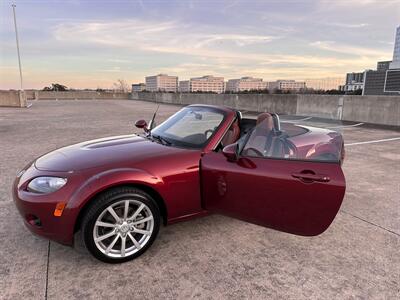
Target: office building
(374,82)
(392,81)
(396,51)
(138,87)
(286,85)
(162,83)
(184,86)
(245,84)
(354,82)
(383,65)
(386,79)
(205,84)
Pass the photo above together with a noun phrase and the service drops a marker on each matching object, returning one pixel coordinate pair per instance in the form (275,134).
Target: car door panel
(299,197)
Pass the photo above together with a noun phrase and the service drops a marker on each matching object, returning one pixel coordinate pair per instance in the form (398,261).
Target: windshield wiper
(161,139)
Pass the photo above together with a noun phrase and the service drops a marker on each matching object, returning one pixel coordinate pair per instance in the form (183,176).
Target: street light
(16,38)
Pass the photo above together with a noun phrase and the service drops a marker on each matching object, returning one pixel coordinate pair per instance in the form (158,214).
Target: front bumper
(37,210)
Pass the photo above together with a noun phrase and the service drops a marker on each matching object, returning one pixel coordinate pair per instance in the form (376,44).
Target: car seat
(232,134)
(266,139)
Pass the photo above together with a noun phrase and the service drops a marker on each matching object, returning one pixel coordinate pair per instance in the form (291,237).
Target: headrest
(266,121)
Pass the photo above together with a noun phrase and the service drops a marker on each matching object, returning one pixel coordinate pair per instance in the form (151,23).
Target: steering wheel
(211,131)
(257,152)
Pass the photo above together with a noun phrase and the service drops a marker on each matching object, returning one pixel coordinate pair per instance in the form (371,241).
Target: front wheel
(121,225)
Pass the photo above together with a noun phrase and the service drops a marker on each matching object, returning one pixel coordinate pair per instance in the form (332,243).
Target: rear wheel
(121,225)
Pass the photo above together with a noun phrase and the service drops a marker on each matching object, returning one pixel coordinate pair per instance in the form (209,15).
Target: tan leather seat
(258,138)
(265,140)
(232,134)
(267,119)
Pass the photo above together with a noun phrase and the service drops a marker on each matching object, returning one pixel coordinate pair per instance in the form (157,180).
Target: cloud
(225,38)
(351,25)
(350,50)
(179,39)
(186,50)
(238,39)
(148,35)
(119,61)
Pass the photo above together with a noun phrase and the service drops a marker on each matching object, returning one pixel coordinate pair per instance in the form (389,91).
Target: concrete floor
(214,257)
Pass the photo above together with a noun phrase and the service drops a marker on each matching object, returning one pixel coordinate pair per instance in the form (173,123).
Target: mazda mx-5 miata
(203,159)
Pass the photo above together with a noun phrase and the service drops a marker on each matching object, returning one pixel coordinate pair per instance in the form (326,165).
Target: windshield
(191,127)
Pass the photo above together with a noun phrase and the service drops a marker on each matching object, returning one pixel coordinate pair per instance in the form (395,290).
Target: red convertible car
(203,159)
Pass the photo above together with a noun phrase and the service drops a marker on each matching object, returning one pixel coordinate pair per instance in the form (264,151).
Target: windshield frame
(186,145)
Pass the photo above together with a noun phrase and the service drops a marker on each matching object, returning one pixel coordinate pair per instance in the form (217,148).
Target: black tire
(101,203)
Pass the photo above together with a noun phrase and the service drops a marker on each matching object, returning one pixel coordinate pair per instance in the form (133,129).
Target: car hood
(115,151)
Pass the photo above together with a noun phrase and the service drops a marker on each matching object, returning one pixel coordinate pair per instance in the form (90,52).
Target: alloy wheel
(123,228)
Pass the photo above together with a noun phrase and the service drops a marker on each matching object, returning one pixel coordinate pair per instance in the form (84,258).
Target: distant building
(286,85)
(329,83)
(354,82)
(138,87)
(386,79)
(205,84)
(184,86)
(162,83)
(392,81)
(374,82)
(245,84)
(396,52)
(383,65)
(382,82)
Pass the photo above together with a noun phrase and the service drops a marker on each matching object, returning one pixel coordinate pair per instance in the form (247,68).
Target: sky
(91,44)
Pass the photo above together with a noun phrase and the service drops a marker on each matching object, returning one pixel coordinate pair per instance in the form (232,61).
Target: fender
(101,182)
(323,148)
(109,178)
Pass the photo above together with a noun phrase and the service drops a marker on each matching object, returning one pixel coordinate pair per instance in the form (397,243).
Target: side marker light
(59,209)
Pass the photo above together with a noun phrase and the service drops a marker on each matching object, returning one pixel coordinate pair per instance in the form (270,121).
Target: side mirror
(230,152)
(142,124)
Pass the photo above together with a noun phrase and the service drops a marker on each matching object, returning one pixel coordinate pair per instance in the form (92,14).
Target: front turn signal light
(59,209)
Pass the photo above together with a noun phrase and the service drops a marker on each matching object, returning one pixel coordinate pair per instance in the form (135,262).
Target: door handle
(309,177)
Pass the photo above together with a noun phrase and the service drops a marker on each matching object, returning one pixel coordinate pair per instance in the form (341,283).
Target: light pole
(16,38)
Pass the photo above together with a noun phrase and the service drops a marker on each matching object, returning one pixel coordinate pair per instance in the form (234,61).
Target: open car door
(296,196)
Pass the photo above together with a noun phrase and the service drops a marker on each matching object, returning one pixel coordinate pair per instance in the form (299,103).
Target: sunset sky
(90,44)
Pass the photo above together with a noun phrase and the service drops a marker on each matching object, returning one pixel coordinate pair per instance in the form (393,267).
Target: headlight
(46,185)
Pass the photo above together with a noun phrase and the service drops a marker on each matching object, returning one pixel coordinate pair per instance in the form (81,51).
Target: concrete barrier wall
(13,98)
(72,95)
(251,102)
(323,106)
(30,94)
(383,110)
(372,109)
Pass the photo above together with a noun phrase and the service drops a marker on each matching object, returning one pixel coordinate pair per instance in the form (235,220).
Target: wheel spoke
(143,220)
(126,209)
(134,241)
(104,224)
(123,243)
(145,232)
(137,212)
(112,244)
(114,214)
(123,228)
(103,237)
